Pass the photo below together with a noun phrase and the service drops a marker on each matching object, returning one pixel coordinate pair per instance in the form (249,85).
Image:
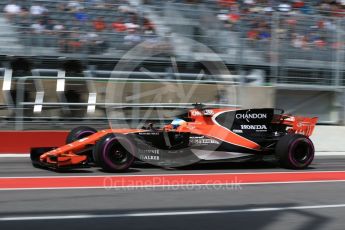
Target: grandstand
(60,27)
(262,33)
(244,34)
(286,44)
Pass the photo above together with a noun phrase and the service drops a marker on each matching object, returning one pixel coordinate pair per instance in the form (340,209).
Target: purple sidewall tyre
(115,152)
(79,133)
(295,151)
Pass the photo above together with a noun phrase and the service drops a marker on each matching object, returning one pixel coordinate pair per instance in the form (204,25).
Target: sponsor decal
(196,113)
(206,112)
(84,139)
(153,154)
(148,157)
(197,137)
(254,127)
(202,140)
(247,116)
(148,151)
(237,131)
(149,133)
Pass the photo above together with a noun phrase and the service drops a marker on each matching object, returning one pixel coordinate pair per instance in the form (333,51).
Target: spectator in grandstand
(320,42)
(81,16)
(12,9)
(132,38)
(264,34)
(222,16)
(49,26)
(62,7)
(99,24)
(226,3)
(333,8)
(131,26)
(157,44)
(119,26)
(58,27)
(63,41)
(45,18)
(24,12)
(315,36)
(37,10)
(151,41)
(338,11)
(264,30)
(97,3)
(299,41)
(133,20)
(233,19)
(253,35)
(330,25)
(70,41)
(38,27)
(297,4)
(74,44)
(94,43)
(230,17)
(74,5)
(126,8)
(148,26)
(284,7)
(88,39)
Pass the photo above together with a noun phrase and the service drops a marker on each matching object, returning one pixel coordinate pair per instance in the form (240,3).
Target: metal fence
(32,102)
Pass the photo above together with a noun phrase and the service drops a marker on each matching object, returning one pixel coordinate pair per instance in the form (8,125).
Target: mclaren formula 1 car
(198,135)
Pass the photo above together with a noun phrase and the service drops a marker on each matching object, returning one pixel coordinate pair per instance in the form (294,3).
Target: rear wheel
(114,152)
(295,151)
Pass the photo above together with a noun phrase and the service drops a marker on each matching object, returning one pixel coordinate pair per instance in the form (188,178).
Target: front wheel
(79,133)
(35,154)
(114,152)
(295,151)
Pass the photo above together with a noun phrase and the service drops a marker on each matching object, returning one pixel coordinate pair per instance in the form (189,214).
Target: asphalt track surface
(302,205)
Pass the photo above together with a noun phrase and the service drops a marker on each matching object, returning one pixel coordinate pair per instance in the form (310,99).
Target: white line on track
(168,213)
(14,155)
(329,153)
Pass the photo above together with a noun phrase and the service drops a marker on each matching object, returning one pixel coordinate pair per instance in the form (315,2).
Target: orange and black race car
(198,135)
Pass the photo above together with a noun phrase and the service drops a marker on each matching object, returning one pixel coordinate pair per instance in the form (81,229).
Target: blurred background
(59,59)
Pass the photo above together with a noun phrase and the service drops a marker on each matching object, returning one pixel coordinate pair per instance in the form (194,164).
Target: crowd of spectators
(95,25)
(81,25)
(325,7)
(302,24)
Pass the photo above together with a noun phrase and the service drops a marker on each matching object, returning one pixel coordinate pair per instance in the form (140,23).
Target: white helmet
(178,122)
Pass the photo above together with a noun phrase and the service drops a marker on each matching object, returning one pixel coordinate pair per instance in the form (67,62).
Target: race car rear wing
(299,124)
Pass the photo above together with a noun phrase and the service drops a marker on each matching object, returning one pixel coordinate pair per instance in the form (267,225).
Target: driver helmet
(177,123)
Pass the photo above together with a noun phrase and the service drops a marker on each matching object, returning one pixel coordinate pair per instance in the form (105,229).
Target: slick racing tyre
(35,154)
(295,151)
(79,133)
(113,152)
